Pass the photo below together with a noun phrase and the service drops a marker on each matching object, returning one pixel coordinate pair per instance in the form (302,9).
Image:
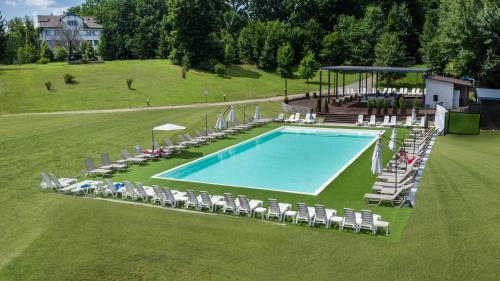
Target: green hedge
(462,123)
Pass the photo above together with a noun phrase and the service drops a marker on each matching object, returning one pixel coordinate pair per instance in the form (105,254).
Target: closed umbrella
(231,116)
(413,116)
(377,159)
(220,124)
(392,142)
(256,116)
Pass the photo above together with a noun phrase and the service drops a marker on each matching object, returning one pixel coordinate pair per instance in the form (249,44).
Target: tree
(194,25)
(3,38)
(334,48)
(70,38)
(87,51)
(308,66)
(285,60)
(390,51)
(45,52)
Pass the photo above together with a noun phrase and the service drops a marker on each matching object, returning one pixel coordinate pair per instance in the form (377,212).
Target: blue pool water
(289,159)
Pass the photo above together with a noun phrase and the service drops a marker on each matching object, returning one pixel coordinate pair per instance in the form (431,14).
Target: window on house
(51,32)
(72,23)
(97,32)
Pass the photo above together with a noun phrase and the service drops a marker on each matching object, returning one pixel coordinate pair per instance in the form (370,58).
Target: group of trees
(462,38)
(454,37)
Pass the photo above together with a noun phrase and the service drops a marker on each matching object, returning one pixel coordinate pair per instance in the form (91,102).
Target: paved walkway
(134,109)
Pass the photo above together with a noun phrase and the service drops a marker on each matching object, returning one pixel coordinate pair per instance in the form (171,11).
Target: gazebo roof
(383,69)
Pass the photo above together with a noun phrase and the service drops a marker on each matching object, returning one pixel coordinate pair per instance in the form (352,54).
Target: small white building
(448,92)
(55,29)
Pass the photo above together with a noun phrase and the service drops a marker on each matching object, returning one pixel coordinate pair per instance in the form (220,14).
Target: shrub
(314,95)
(48,85)
(43,60)
(327,108)
(378,104)
(69,79)
(129,83)
(307,95)
(61,54)
(386,107)
(220,69)
(416,103)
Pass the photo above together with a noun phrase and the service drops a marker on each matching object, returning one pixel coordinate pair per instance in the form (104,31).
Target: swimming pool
(288,159)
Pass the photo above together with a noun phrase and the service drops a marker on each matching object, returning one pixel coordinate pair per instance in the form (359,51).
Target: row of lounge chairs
(310,118)
(363,91)
(241,205)
(142,156)
(393,186)
(389,121)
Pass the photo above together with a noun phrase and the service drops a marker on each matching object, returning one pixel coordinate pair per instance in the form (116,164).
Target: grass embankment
(451,234)
(103,86)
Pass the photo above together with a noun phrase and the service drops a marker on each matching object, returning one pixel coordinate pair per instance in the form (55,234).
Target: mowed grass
(103,86)
(451,234)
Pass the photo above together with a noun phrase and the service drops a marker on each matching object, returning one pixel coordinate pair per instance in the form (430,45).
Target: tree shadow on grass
(235,70)
(188,155)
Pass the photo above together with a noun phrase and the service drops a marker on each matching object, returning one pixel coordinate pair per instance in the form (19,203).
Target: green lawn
(103,86)
(451,234)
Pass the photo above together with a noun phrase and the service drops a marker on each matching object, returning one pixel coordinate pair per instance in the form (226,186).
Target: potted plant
(378,104)
(370,107)
(386,107)
(395,107)
(402,106)
(416,106)
(318,105)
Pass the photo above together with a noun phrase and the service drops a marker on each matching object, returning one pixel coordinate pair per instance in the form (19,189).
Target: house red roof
(55,21)
(451,80)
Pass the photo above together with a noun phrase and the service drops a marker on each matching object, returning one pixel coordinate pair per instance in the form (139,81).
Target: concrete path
(163,107)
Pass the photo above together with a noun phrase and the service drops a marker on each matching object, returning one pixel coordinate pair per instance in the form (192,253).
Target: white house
(448,92)
(55,29)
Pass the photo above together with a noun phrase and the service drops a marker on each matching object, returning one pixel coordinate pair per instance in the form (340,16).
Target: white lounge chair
(280,118)
(297,118)
(373,121)
(59,183)
(396,200)
(109,188)
(422,122)
(129,191)
(192,200)
(109,165)
(153,155)
(360,121)
(323,215)
(190,138)
(386,122)
(92,170)
(247,206)
(408,122)
(367,221)
(304,214)
(349,220)
(277,210)
(291,118)
(158,195)
(394,121)
(205,136)
(230,204)
(173,197)
(207,201)
(135,160)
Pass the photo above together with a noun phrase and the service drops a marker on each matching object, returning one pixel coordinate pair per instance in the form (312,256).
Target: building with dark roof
(55,29)
(448,92)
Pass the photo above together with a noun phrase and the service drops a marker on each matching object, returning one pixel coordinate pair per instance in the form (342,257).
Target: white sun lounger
(90,169)
(394,120)
(323,215)
(207,201)
(373,121)
(135,160)
(109,165)
(192,200)
(277,210)
(247,206)
(360,121)
(386,122)
(349,220)
(304,214)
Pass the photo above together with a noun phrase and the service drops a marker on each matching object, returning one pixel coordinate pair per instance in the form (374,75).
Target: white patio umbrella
(164,127)
(377,159)
(413,116)
(220,124)
(256,116)
(231,116)
(392,142)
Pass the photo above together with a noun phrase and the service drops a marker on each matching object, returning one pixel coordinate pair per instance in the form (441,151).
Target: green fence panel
(463,123)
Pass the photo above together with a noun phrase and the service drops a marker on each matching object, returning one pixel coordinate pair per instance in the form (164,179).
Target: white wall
(443,90)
